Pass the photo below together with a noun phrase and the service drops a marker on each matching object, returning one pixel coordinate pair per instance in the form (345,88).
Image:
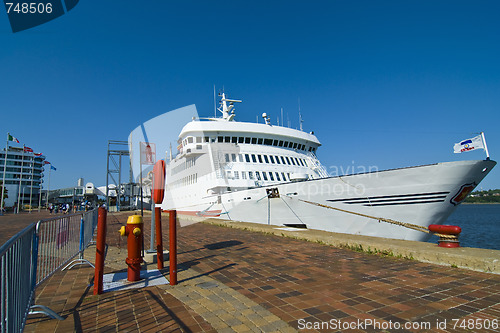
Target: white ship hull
(420,195)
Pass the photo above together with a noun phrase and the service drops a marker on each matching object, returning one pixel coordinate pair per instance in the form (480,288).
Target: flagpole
(4,169)
(40,195)
(20,181)
(48,189)
(32,172)
(485,146)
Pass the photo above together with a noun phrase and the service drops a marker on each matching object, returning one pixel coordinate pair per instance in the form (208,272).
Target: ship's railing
(32,256)
(317,166)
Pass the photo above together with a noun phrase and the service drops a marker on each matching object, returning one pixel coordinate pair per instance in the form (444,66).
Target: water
(480,225)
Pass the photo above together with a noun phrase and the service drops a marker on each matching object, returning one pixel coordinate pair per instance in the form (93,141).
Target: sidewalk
(233,280)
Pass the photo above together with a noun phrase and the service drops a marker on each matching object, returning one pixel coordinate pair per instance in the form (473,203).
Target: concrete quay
(237,280)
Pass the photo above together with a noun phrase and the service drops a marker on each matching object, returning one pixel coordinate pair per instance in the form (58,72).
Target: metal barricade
(17,278)
(61,239)
(32,256)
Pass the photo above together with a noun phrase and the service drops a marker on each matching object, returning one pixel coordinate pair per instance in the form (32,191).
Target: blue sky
(381,83)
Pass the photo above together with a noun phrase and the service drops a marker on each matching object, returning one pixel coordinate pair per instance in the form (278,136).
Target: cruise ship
(263,173)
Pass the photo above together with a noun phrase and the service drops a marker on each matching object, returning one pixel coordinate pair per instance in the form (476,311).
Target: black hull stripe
(404,203)
(393,200)
(416,196)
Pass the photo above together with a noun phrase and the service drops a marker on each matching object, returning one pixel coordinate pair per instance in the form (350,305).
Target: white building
(31,176)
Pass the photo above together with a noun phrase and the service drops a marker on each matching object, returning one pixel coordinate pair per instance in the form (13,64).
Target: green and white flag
(11,138)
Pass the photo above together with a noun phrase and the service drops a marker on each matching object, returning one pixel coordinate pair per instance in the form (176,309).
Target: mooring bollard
(133,231)
(159,240)
(452,231)
(99,251)
(173,246)
(158,193)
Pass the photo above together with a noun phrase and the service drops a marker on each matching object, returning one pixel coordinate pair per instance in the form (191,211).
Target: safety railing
(32,256)
(16,279)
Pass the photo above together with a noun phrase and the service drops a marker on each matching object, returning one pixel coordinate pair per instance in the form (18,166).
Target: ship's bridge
(198,132)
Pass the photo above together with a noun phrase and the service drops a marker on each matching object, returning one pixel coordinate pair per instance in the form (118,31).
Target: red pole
(173,246)
(99,251)
(159,240)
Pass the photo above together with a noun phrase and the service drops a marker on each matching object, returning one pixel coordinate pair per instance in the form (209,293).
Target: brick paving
(12,223)
(269,283)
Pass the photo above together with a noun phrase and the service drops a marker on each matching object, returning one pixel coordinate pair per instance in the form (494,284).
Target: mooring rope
(402,224)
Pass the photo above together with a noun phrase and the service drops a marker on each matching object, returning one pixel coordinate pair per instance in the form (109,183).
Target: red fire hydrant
(133,231)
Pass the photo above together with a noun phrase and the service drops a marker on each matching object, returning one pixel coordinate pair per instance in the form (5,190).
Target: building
(21,165)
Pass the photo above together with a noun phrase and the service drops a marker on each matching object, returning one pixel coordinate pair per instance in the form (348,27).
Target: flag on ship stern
(469,144)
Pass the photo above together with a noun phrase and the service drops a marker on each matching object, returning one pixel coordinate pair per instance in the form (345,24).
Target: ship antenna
(215,104)
(300,117)
(282,123)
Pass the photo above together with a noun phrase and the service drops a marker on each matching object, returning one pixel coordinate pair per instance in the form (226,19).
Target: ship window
(243,175)
(280,144)
(198,146)
(285,144)
(227,139)
(220,139)
(236,175)
(283,160)
(271,176)
(301,147)
(241,139)
(254,141)
(198,139)
(254,159)
(271,157)
(234,139)
(190,139)
(287,160)
(288,175)
(259,141)
(266,159)
(247,140)
(240,158)
(229,174)
(294,145)
(301,162)
(207,139)
(268,142)
(293,161)
(233,157)
(264,175)
(260,158)
(278,159)
(227,158)
(257,175)
(250,174)
(247,158)
(310,148)
(278,176)
(314,150)
(275,142)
